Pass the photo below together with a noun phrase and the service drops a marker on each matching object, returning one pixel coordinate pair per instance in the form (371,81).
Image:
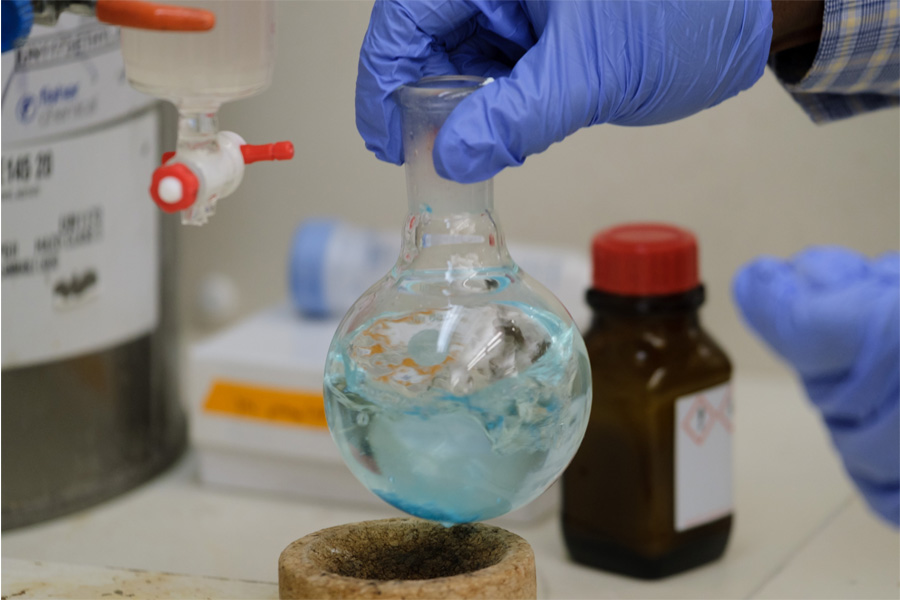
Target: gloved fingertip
(381,154)
(456,167)
(746,291)
(490,130)
(374,126)
(739,285)
(461,166)
(761,270)
(887,266)
(827,267)
(459,158)
(762,289)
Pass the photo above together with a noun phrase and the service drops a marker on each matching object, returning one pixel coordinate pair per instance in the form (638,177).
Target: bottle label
(703,480)
(251,401)
(79,242)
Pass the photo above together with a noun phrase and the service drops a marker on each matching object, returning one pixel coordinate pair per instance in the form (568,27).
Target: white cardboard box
(257,418)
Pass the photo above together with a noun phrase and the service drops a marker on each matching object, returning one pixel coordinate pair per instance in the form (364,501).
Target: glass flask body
(651,361)
(457,388)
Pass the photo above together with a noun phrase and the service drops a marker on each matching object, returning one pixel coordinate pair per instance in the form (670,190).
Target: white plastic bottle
(333,262)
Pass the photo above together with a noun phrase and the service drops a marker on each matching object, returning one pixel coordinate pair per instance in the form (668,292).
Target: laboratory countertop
(801,531)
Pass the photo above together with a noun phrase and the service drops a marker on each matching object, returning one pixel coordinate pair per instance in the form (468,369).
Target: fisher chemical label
(703,480)
(80,242)
(65,78)
(291,407)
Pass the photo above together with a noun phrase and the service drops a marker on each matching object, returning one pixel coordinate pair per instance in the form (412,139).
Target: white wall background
(751,176)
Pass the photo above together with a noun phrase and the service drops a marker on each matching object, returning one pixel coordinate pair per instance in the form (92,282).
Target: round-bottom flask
(457,387)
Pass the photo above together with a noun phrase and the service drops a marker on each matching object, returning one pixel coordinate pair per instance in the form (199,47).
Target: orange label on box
(268,404)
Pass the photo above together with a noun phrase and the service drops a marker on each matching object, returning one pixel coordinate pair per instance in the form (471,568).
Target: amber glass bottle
(649,492)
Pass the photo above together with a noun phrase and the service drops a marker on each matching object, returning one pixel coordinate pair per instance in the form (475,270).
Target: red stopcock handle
(148,15)
(256,153)
(276,151)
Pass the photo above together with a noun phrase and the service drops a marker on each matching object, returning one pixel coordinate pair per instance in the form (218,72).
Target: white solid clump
(458,352)
(170,189)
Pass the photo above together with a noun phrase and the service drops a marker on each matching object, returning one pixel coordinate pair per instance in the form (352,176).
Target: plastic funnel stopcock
(158,17)
(174,187)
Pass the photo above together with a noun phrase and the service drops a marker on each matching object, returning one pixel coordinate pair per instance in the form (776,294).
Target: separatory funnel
(198,72)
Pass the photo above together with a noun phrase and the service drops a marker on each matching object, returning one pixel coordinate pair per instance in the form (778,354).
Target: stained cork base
(408,558)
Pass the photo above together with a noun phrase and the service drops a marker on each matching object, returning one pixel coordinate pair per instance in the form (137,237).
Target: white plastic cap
(218,300)
(170,190)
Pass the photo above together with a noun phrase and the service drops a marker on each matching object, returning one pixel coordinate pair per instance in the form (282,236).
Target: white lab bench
(801,531)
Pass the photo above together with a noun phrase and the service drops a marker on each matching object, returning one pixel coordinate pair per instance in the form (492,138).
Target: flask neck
(453,231)
(427,191)
(450,226)
(424,107)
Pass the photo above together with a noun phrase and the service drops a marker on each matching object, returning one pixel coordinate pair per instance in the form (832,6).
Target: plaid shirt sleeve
(856,67)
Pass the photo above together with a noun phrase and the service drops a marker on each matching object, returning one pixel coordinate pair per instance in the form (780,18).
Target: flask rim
(438,92)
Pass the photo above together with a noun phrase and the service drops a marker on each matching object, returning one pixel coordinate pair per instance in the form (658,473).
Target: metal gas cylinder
(90,405)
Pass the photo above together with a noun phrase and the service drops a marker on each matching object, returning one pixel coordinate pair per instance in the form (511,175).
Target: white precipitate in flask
(457,388)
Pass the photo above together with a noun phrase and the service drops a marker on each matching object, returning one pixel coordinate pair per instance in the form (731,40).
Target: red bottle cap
(645,259)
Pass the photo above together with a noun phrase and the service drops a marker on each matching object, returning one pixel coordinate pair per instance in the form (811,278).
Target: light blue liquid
(482,417)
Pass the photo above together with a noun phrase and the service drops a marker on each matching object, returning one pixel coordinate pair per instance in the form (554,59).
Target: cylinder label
(703,478)
(65,78)
(79,260)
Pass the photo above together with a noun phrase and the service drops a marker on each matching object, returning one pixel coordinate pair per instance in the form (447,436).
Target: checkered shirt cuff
(857,66)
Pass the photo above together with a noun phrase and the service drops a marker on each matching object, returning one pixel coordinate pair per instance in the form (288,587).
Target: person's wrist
(796,23)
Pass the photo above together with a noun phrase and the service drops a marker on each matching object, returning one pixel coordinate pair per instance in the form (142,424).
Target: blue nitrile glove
(560,66)
(834,315)
(16,22)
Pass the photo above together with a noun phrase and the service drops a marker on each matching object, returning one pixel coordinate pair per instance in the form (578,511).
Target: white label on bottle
(703,487)
(64,78)
(79,242)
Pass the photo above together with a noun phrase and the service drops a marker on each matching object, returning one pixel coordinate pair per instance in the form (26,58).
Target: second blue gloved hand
(834,315)
(560,66)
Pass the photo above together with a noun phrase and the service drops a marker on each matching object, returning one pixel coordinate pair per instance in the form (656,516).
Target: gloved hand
(834,315)
(560,66)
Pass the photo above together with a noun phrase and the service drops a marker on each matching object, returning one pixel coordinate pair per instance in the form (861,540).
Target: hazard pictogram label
(703,425)
(724,409)
(705,412)
(699,420)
